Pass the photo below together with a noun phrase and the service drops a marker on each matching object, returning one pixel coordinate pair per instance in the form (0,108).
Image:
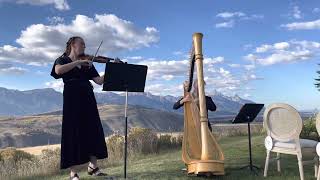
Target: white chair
(284,124)
(318,145)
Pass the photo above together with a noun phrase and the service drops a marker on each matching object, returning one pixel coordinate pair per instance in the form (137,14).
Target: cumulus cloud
(234,65)
(56,84)
(307,25)
(164,74)
(164,89)
(227,24)
(291,51)
(13,71)
(227,15)
(58,4)
(169,69)
(230,18)
(296,13)
(41,44)
(55,20)
(9,69)
(316,10)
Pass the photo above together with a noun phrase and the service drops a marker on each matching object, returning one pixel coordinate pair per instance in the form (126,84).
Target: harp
(200,151)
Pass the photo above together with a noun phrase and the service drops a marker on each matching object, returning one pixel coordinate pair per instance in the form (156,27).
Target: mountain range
(39,101)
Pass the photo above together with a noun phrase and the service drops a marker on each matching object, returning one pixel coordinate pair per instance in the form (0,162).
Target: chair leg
(278,162)
(300,167)
(318,177)
(266,164)
(316,164)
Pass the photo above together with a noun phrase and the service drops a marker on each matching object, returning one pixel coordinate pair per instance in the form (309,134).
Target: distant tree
(317,84)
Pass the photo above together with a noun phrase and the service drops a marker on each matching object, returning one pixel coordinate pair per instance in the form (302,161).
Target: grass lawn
(168,165)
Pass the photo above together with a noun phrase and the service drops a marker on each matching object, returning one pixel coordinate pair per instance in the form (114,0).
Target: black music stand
(128,78)
(247,114)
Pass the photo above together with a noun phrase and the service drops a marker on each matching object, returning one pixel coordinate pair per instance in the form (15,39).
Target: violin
(99,59)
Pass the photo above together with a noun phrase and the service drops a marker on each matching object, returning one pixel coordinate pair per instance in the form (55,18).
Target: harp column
(197,42)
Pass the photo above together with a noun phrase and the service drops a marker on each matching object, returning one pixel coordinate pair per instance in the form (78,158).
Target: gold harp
(200,151)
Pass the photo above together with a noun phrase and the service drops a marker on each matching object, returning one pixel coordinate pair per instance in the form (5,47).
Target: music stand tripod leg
(125,137)
(252,167)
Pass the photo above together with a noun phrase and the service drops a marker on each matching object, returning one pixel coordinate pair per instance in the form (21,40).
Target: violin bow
(96,51)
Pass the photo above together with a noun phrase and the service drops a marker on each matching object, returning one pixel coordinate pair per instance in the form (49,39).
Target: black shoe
(95,172)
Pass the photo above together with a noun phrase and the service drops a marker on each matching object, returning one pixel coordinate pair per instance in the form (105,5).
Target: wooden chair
(284,124)
(318,145)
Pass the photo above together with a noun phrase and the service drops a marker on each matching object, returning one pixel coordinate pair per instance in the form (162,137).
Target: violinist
(82,138)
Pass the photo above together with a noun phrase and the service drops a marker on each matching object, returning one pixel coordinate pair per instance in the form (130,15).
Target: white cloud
(291,51)
(251,57)
(296,12)
(285,57)
(166,77)
(135,57)
(247,46)
(55,20)
(234,65)
(227,15)
(13,71)
(230,18)
(170,69)
(227,24)
(281,45)
(56,84)
(41,44)
(308,25)
(177,53)
(249,67)
(9,69)
(276,46)
(162,75)
(263,48)
(249,77)
(253,17)
(58,4)
(165,89)
(316,10)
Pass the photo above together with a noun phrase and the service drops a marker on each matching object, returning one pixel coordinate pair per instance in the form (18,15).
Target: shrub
(50,160)
(14,155)
(309,130)
(115,147)
(15,162)
(142,141)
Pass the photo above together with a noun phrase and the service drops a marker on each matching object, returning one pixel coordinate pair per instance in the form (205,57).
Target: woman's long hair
(71,40)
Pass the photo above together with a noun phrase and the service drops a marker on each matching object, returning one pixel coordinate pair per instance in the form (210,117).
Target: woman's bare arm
(99,79)
(61,69)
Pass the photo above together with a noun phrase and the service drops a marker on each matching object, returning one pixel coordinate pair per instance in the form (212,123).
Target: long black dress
(82,132)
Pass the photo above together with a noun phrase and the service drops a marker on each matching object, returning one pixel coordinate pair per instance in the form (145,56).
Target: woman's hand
(187,98)
(117,60)
(86,63)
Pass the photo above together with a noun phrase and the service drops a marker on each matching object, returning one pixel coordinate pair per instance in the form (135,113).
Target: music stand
(128,78)
(247,114)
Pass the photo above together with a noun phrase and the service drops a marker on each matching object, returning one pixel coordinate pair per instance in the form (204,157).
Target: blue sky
(266,51)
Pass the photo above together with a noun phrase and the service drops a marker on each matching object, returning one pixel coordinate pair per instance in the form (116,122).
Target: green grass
(168,165)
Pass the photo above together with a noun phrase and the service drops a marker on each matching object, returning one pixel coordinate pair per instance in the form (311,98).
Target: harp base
(208,167)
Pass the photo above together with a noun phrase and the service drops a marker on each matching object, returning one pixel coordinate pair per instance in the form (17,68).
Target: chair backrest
(282,122)
(318,123)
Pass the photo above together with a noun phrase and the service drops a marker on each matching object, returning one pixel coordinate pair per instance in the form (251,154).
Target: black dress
(82,132)
(209,103)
